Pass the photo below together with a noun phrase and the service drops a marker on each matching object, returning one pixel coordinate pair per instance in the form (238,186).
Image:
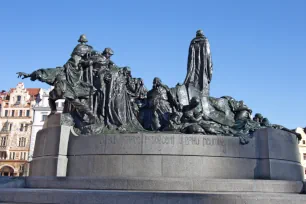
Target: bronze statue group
(101,97)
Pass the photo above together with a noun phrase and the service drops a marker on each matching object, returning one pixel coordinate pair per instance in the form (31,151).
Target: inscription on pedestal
(156,144)
(123,139)
(159,139)
(181,144)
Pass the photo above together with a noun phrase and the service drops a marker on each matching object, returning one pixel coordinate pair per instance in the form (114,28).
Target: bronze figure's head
(83,39)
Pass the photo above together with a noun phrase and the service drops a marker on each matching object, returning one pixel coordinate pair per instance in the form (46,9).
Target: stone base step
(60,196)
(166,184)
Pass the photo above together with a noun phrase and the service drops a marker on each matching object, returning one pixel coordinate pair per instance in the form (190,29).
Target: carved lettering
(213,141)
(217,141)
(169,140)
(190,140)
(132,139)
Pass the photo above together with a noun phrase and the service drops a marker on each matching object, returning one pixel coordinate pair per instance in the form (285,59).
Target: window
(13,113)
(2,155)
(21,127)
(3,141)
(303,141)
(21,168)
(44,117)
(6,113)
(28,113)
(18,99)
(23,156)
(20,113)
(11,126)
(26,126)
(12,155)
(22,142)
(304,155)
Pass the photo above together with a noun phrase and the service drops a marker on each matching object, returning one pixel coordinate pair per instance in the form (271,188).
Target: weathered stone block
(141,166)
(186,166)
(276,144)
(160,184)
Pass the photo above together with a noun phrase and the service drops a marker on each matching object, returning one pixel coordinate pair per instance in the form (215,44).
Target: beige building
(302,147)
(16,118)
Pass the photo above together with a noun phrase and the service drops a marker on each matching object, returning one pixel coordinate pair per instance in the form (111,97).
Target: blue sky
(258,47)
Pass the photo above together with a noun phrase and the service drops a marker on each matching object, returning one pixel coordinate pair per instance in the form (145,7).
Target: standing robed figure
(200,66)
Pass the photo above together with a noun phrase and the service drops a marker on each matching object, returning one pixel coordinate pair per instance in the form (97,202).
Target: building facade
(302,147)
(16,118)
(41,111)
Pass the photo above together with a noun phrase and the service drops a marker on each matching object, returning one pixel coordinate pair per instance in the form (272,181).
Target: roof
(31,91)
(12,89)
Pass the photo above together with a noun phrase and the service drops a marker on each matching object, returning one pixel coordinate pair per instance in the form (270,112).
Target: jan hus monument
(101,97)
(115,134)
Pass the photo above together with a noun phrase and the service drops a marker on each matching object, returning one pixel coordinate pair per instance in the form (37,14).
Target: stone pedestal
(271,154)
(51,148)
(170,168)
